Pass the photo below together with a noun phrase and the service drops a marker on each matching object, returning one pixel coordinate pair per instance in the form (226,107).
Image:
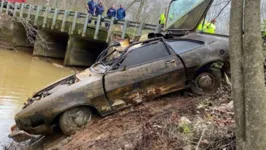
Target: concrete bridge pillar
(83,52)
(13,32)
(6,29)
(50,44)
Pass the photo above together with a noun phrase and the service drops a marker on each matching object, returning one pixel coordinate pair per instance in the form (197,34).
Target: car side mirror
(115,44)
(124,68)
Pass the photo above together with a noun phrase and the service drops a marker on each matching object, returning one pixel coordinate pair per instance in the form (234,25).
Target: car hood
(59,97)
(87,75)
(61,85)
(186,15)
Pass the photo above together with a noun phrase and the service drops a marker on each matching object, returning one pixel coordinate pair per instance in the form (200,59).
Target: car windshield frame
(103,57)
(184,18)
(127,50)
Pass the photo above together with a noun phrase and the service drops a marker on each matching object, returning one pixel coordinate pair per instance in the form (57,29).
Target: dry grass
(13,146)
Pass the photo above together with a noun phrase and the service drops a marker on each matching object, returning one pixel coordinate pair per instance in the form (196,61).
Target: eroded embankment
(175,121)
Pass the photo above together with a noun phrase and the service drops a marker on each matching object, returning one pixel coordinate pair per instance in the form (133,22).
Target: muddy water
(20,76)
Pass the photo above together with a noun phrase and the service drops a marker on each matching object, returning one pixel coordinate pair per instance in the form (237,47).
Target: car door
(145,72)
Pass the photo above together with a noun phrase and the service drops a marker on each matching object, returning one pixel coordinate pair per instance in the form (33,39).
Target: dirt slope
(175,121)
(130,128)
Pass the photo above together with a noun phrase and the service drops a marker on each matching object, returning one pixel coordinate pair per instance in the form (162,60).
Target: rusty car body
(143,71)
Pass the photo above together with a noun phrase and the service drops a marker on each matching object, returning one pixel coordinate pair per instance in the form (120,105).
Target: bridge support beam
(50,44)
(82,52)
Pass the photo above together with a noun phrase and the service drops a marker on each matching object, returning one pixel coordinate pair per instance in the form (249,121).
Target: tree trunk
(131,4)
(254,77)
(236,61)
(75,5)
(248,90)
(141,6)
(65,5)
(56,4)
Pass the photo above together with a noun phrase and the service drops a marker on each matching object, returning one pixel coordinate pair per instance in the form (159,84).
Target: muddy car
(143,71)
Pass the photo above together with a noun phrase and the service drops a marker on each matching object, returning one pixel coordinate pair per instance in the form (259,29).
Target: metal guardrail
(28,9)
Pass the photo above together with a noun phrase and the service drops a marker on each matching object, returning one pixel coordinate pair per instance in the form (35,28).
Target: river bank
(175,121)
(20,76)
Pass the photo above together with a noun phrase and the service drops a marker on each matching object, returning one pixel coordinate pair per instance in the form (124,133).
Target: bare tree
(141,6)
(132,3)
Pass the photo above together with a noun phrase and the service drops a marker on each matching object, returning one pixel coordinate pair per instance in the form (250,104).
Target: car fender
(99,105)
(84,93)
(208,62)
(93,109)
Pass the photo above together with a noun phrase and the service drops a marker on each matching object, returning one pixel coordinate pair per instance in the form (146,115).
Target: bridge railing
(20,9)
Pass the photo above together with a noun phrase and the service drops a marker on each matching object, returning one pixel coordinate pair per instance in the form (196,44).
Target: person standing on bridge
(162,20)
(121,13)
(99,10)
(110,13)
(91,5)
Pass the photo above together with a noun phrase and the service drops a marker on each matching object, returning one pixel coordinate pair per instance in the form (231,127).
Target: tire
(206,82)
(74,119)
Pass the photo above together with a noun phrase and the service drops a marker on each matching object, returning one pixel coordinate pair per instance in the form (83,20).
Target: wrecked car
(144,70)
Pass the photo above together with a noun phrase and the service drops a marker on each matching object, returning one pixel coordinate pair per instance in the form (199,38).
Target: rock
(184,120)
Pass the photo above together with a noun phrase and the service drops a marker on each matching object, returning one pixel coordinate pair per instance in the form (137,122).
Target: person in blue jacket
(99,10)
(110,13)
(91,6)
(121,13)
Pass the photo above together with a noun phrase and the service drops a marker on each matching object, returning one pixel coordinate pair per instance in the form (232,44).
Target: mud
(125,129)
(150,125)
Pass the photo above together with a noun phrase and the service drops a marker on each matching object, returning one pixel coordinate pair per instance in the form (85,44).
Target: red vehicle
(17,1)
(14,1)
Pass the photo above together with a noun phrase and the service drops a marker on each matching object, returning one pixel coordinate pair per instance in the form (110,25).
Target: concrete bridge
(66,34)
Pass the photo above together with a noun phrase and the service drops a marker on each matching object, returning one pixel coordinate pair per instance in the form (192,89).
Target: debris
(203,132)
(57,65)
(184,120)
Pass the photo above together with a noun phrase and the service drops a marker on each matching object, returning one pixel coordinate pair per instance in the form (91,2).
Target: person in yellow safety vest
(207,27)
(162,19)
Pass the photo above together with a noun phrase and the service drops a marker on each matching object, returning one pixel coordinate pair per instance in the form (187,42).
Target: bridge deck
(66,34)
(74,23)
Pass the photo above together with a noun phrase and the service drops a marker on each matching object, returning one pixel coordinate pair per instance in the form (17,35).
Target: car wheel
(74,119)
(206,82)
